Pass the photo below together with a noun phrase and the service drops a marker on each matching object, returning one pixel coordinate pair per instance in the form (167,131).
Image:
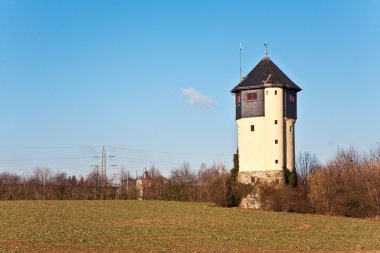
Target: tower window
(292,98)
(252,96)
(275,92)
(238,100)
(275,122)
(276,161)
(275,141)
(252,128)
(291,128)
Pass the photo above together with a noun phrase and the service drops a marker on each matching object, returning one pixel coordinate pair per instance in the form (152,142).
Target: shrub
(275,197)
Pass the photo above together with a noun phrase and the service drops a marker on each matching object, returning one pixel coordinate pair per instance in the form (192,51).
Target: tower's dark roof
(266,74)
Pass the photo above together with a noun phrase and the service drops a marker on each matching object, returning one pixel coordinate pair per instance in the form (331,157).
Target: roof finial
(266,49)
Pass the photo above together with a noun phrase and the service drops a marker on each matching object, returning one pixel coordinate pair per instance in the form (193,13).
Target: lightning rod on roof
(266,49)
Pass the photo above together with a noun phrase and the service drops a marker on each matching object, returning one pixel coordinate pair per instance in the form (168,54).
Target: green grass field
(158,226)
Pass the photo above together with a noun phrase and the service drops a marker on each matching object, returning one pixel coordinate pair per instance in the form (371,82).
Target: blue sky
(77,75)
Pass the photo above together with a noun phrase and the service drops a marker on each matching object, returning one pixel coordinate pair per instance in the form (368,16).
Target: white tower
(266,113)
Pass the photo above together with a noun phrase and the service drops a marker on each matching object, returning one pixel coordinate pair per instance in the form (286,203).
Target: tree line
(208,184)
(347,185)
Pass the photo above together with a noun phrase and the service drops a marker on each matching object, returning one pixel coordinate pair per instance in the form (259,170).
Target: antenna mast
(240,61)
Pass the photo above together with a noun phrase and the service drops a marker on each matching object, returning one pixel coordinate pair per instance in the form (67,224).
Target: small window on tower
(292,98)
(252,128)
(238,100)
(275,122)
(275,141)
(251,96)
(276,161)
(291,128)
(275,92)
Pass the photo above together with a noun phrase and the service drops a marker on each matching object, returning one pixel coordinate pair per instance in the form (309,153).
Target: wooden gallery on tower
(266,113)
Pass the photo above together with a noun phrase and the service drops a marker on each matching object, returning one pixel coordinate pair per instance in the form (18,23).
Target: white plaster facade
(270,146)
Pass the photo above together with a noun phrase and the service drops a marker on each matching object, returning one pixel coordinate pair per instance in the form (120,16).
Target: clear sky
(151,80)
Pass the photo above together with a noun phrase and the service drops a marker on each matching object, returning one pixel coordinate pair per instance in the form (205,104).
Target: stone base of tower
(251,201)
(252,177)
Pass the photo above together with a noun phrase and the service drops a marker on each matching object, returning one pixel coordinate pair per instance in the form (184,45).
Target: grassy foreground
(158,226)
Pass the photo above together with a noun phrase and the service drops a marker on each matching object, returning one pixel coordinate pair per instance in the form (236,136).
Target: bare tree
(154,183)
(213,183)
(127,188)
(9,186)
(372,176)
(94,181)
(122,192)
(182,183)
(183,175)
(61,183)
(375,153)
(42,176)
(306,164)
(345,187)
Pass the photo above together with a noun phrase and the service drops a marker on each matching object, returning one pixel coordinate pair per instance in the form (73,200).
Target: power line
(40,147)
(110,147)
(43,159)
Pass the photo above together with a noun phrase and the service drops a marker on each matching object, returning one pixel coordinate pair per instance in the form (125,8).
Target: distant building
(266,113)
(148,185)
